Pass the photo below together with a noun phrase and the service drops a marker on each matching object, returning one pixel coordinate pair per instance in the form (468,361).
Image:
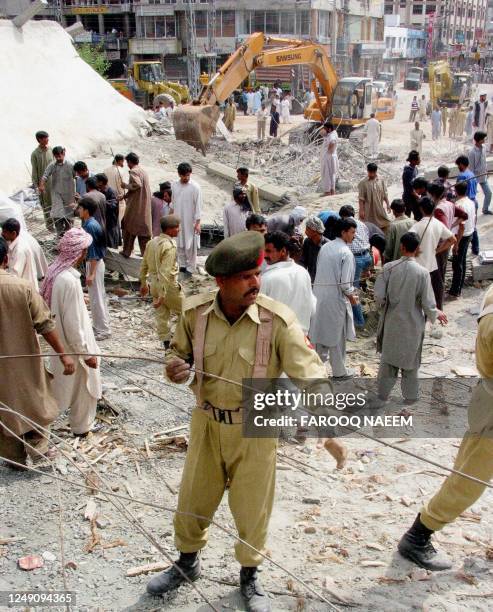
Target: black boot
(416,546)
(171,579)
(252,592)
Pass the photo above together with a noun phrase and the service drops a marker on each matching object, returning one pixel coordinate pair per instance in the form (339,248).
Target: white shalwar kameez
(187,206)
(78,393)
(372,130)
(21,260)
(285,108)
(329,163)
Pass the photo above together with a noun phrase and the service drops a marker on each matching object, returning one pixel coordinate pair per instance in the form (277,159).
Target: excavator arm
(196,123)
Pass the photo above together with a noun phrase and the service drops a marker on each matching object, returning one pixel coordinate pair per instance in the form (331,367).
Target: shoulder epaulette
(278,308)
(197,300)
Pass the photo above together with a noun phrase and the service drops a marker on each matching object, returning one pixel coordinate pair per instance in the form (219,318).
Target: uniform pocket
(247,355)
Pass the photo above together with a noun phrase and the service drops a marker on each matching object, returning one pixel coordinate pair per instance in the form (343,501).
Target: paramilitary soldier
(236,334)
(475,458)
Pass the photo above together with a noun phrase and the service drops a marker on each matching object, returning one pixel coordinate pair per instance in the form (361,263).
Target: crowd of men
(287,302)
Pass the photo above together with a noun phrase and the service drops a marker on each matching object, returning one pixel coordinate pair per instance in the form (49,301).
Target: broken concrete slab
(481,271)
(267,191)
(128,266)
(431,173)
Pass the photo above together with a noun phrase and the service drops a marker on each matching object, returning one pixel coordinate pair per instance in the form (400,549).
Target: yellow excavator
(149,78)
(446,87)
(195,123)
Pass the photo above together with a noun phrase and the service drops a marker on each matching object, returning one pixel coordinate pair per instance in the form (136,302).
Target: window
(272,22)
(389,9)
(149,27)
(430,8)
(417,9)
(228,23)
(324,24)
(201,24)
(258,21)
(303,23)
(287,22)
(402,4)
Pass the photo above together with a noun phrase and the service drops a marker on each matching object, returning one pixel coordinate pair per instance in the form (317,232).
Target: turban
(71,246)
(315,224)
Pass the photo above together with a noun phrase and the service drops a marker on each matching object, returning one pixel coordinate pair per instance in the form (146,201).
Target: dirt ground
(337,531)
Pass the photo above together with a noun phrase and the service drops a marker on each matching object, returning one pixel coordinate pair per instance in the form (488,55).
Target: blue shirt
(326,214)
(97,250)
(472,185)
(80,184)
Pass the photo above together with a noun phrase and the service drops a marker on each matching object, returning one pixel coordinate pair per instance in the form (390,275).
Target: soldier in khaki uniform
(160,265)
(41,158)
(235,333)
(475,457)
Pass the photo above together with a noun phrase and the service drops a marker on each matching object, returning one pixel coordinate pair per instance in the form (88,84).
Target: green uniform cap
(243,251)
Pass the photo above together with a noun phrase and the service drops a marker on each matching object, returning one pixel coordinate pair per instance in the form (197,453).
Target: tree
(95,56)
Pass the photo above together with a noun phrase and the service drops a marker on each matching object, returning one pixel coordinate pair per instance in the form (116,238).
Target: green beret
(243,251)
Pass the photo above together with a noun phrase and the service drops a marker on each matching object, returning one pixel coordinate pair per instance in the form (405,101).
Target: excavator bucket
(195,124)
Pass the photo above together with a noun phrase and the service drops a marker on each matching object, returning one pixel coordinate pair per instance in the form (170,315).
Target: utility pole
(212,63)
(193,66)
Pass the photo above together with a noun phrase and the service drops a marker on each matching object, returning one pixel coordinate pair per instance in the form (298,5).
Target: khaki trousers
(14,449)
(475,457)
(173,303)
(218,452)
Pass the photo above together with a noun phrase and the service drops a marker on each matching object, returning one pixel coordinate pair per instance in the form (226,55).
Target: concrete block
(431,173)
(129,267)
(267,191)
(481,271)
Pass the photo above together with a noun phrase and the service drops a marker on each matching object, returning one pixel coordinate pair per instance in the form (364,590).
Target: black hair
(346,211)
(460,188)
(184,168)
(420,183)
(243,170)
(164,186)
(413,156)
(280,240)
(372,167)
(11,225)
(443,171)
(343,225)
(91,183)
(4,249)
(328,125)
(479,136)
(88,204)
(463,160)
(41,134)
(436,190)
(426,205)
(80,166)
(118,157)
(58,150)
(410,241)
(101,178)
(255,219)
(133,158)
(398,206)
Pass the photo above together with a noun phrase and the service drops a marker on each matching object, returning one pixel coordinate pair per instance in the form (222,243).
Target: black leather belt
(362,253)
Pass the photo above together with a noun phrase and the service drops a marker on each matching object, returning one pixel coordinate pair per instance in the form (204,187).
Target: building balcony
(154,46)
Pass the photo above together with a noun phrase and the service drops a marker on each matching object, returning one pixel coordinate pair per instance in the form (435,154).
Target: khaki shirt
(253,197)
(159,263)
(229,350)
(40,160)
(374,193)
(484,342)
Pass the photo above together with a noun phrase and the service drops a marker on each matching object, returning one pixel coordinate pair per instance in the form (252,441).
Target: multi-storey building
(351,30)
(451,25)
(403,46)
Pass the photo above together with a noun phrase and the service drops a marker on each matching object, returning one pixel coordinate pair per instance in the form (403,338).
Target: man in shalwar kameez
(25,384)
(187,206)
(63,293)
(405,293)
(333,288)
(137,220)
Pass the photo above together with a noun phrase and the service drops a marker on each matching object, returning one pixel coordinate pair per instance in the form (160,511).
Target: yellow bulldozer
(195,123)
(150,80)
(446,87)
